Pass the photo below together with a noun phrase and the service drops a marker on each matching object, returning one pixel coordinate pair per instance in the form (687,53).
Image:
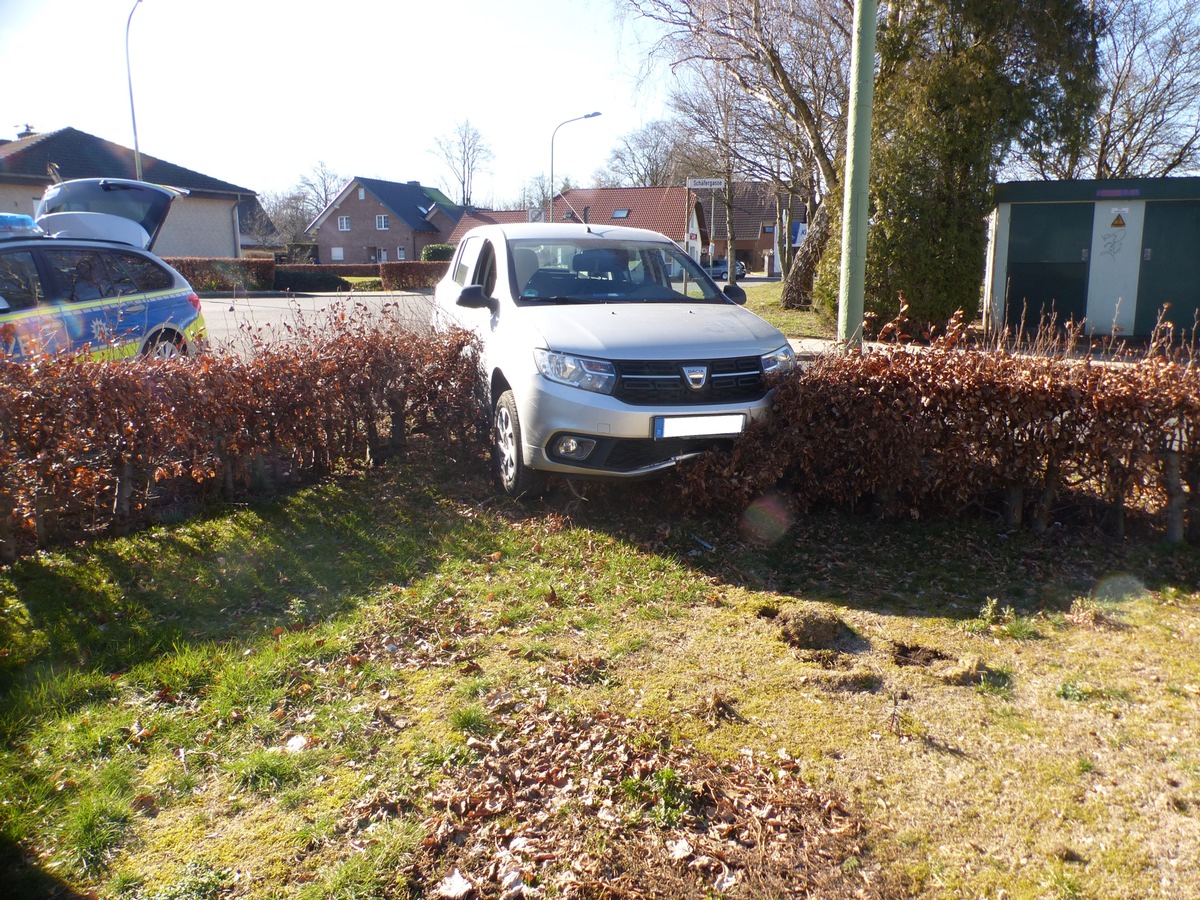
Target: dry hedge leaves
(930,431)
(599,805)
(93,447)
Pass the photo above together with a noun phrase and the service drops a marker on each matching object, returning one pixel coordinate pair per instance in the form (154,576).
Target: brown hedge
(90,448)
(212,274)
(936,431)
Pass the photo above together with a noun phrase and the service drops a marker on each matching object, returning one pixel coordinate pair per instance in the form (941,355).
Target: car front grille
(664,382)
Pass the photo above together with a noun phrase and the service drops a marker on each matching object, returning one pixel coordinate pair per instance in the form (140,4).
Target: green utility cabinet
(1112,254)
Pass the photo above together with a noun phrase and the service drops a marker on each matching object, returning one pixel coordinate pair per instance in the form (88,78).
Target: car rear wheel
(166,346)
(516,478)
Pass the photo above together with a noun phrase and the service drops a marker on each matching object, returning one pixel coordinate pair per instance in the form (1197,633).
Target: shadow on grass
(21,879)
(226,576)
(944,568)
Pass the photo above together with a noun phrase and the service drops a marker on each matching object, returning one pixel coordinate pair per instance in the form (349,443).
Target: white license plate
(698,426)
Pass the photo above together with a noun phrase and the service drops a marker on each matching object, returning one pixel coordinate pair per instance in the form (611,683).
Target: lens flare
(767,519)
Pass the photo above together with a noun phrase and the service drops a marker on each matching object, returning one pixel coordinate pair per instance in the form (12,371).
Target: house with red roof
(672,211)
(204,223)
(668,210)
(693,219)
(473,218)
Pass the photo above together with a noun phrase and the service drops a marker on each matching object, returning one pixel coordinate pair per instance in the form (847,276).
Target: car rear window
(19,286)
(146,274)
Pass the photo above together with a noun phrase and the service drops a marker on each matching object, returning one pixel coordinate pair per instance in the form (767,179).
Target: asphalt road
(239,324)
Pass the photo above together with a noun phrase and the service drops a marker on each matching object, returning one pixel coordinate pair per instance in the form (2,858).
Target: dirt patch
(582,806)
(915,655)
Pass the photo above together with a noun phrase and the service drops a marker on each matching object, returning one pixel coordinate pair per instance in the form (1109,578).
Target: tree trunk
(798,286)
(1176,509)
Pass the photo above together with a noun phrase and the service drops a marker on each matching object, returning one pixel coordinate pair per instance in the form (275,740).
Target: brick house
(204,223)
(373,221)
(473,218)
(671,211)
(756,218)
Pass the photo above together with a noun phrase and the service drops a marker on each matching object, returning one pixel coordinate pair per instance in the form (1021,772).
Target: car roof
(562,231)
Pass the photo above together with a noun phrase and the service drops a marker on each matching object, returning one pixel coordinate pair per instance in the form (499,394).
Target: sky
(258,92)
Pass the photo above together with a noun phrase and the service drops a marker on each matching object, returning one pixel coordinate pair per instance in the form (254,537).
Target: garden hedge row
(90,448)
(936,431)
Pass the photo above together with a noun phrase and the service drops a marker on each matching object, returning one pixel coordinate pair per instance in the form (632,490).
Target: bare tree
(289,212)
(319,188)
(1148,122)
(647,157)
(464,151)
(791,56)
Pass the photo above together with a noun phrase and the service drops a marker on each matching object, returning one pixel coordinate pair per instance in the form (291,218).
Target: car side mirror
(735,293)
(473,297)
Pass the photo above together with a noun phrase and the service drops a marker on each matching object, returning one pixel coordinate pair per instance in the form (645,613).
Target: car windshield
(608,271)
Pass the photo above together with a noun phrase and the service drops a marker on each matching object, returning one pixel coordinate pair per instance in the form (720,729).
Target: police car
(79,275)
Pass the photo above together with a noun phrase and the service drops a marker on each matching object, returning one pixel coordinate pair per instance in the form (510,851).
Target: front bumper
(622,436)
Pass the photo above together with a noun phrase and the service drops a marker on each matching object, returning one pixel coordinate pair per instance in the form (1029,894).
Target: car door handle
(134,307)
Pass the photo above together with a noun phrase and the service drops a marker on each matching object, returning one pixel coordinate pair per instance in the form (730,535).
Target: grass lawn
(400,685)
(762,298)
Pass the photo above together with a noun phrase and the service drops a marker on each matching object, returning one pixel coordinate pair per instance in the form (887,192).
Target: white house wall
(197,226)
(19,200)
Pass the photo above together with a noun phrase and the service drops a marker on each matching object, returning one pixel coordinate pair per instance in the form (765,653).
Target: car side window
(468,254)
(144,274)
(79,276)
(485,272)
(19,285)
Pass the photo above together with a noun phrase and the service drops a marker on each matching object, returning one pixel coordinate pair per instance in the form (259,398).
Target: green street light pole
(858,166)
(137,156)
(590,115)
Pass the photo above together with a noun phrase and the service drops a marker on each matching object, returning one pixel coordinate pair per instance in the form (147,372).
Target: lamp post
(590,115)
(137,156)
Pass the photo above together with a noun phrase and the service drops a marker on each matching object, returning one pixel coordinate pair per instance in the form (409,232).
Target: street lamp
(590,115)
(137,156)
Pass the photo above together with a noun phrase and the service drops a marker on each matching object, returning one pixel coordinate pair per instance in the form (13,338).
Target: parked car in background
(605,352)
(81,275)
(719,270)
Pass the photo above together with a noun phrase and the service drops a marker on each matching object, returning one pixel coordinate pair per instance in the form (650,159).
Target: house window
(337,254)
(768,229)
(620,214)
(382,223)
(382,255)
(362,193)
(343,223)
(400,254)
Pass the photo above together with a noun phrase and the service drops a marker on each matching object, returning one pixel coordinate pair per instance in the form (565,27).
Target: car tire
(167,345)
(512,475)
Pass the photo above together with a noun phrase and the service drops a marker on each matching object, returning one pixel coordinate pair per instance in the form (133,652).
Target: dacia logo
(696,376)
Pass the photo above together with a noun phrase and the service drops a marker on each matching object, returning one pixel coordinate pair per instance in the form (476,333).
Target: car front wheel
(516,478)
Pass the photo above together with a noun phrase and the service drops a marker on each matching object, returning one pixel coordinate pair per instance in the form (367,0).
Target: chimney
(27,133)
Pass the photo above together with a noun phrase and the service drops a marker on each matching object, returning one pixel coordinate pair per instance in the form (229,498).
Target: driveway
(240,323)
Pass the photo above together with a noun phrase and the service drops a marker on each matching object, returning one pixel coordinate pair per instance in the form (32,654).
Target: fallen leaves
(572,805)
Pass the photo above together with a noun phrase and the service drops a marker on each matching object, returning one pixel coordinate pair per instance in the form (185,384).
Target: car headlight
(779,362)
(577,371)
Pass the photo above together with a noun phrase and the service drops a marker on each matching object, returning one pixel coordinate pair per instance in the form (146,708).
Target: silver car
(606,352)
